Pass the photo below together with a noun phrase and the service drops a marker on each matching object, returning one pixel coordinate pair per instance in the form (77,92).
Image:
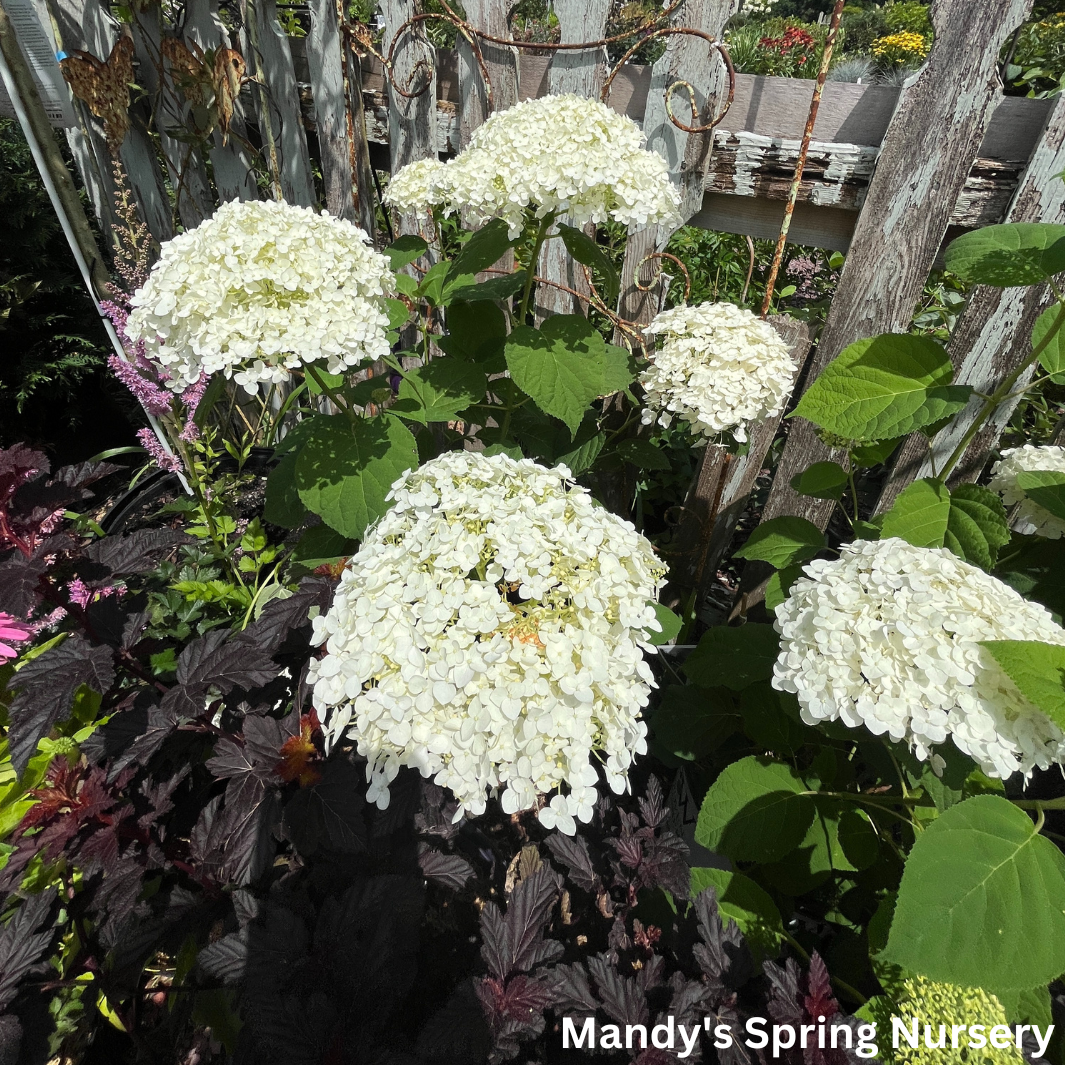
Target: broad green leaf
(670,622)
(858,839)
(882,388)
(1046,488)
(976,529)
(642,454)
(741,900)
(472,326)
(1052,357)
(779,585)
(822,480)
(320,545)
(334,381)
(586,251)
(501,449)
(496,288)
(866,456)
(920,514)
(1031,1006)
(404,250)
(484,249)
(398,312)
(1036,568)
(1038,670)
(439,390)
(345,470)
(765,721)
(867,530)
(970,521)
(581,457)
(283,505)
(734,657)
(757,810)
(783,541)
(1015,253)
(982,900)
(431,287)
(816,857)
(689,723)
(566,365)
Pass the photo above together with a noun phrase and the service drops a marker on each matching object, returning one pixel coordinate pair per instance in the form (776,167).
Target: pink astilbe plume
(162,459)
(12,631)
(191,397)
(154,399)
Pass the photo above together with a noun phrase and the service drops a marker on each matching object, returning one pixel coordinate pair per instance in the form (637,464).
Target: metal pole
(26,101)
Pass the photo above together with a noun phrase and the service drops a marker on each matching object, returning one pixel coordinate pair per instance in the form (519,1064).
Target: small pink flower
(12,631)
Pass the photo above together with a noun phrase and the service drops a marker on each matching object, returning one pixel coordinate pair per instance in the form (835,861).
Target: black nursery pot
(131,508)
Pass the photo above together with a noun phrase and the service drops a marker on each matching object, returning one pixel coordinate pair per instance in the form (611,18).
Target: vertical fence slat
(686,59)
(86,26)
(927,152)
(325,60)
(493,17)
(188,177)
(231,165)
(411,120)
(581,72)
(280,102)
(994,333)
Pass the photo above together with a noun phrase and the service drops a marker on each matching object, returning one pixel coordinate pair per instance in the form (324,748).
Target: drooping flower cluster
(1031,518)
(888,636)
(559,153)
(716,366)
(491,632)
(257,289)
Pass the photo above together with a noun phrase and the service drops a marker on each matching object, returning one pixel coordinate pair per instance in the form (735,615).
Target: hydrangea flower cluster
(717,366)
(888,636)
(558,153)
(258,289)
(1031,518)
(490,632)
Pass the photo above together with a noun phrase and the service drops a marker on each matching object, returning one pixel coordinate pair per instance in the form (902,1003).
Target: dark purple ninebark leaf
(622,1000)
(19,578)
(282,616)
(139,552)
(449,870)
(46,687)
(331,814)
(226,958)
(21,946)
(571,992)
(572,852)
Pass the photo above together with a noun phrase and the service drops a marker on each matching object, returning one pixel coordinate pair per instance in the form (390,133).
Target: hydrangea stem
(534,258)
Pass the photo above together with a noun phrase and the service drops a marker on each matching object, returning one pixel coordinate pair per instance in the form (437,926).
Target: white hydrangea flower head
(888,636)
(558,153)
(490,632)
(716,366)
(259,288)
(1031,518)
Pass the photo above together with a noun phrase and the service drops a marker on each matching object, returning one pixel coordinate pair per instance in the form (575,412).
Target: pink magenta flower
(12,631)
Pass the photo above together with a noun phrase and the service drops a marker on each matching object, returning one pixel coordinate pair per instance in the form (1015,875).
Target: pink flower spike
(12,631)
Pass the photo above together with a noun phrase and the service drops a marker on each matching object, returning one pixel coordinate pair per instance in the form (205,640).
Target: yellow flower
(901,47)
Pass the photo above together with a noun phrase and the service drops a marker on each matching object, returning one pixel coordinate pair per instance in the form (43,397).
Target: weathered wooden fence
(890,174)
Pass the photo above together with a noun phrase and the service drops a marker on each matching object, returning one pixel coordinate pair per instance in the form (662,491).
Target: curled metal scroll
(655,257)
(649,31)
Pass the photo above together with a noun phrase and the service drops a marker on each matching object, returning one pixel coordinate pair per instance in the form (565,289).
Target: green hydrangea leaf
(822,480)
(439,391)
(977,528)
(404,250)
(783,541)
(691,722)
(779,585)
(741,900)
(757,810)
(1015,253)
(670,622)
(982,900)
(1038,670)
(883,387)
(1052,357)
(566,365)
(586,251)
(1045,487)
(345,470)
(920,514)
(734,657)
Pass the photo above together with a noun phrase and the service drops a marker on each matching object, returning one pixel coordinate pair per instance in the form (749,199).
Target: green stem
(1000,393)
(538,243)
(332,393)
(854,487)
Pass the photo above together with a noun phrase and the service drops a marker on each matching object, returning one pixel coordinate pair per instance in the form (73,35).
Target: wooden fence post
(994,333)
(411,119)
(928,150)
(493,17)
(232,166)
(581,72)
(267,51)
(686,59)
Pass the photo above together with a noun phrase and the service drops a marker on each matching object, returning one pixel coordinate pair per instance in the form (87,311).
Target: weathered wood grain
(994,333)
(581,72)
(280,119)
(928,150)
(411,125)
(86,25)
(231,164)
(188,175)
(685,59)
(492,17)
